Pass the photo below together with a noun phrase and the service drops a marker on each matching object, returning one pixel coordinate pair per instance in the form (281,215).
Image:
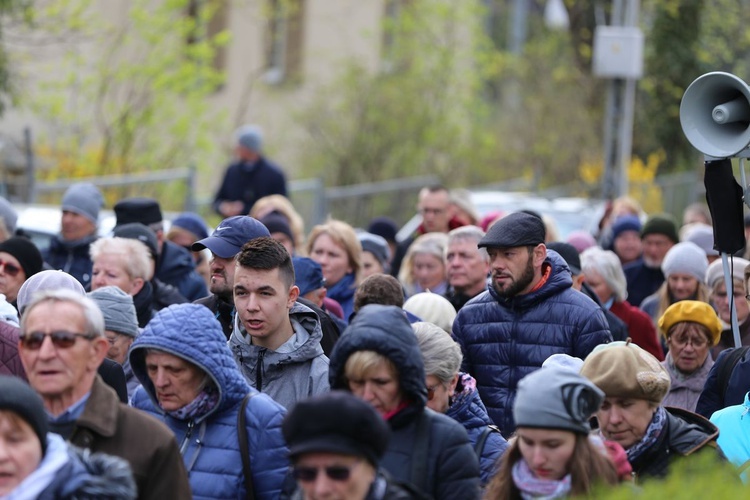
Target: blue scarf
(343,293)
(652,434)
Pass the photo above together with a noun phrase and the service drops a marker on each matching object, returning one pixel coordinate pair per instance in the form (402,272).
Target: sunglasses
(9,269)
(334,472)
(61,339)
(431,392)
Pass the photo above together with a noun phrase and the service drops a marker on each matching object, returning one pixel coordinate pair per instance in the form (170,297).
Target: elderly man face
(333,476)
(435,210)
(63,366)
(467,268)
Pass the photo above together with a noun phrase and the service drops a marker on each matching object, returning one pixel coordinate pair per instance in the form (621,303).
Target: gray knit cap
(9,215)
(685,258)
(118,310)
(250,137)
(556,398)
(46,280)
(377,246)
(84,199)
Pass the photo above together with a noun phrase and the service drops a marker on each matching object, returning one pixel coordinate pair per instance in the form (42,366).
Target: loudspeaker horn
(715,114)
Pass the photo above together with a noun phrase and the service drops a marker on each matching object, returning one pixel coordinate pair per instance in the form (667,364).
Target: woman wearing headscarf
(378,360)
(632,415)
(553,455)
(37,464)
(195,388)
(690,328)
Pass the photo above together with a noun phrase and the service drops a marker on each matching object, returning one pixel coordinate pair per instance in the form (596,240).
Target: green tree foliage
(130,95)
(11,12)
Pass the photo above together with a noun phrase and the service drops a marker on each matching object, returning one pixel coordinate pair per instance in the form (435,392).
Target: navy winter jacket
(210,443)
(505,339)
(468,410)
(714,398)
(71,257)
(176,267)
(250,182)
(451,467)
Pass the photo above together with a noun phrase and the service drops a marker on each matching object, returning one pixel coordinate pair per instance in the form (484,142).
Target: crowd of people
(477,358)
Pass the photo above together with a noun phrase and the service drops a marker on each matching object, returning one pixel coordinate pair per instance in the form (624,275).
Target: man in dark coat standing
(528,314)
(251,177)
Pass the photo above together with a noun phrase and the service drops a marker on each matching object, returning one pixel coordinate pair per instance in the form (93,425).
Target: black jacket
(449,466)
(684,434)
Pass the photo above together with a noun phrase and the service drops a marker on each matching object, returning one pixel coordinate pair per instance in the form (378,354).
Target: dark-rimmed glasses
(11,270)
(60,339)
(334,472)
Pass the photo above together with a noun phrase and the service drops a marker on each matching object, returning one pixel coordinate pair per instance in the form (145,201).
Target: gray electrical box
(618,52)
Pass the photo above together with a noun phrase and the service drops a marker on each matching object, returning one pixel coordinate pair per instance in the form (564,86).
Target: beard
(221,288)
(515,286)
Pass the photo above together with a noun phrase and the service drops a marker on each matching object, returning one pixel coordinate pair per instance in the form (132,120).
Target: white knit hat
(686,258)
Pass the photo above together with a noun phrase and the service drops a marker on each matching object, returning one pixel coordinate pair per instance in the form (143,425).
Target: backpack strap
(479,446)
(245,448)
(726,369)
(743,467)
(421,448)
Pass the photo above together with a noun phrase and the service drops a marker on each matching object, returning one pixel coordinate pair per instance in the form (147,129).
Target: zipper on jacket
(186,440)
(238,353)
(259,371)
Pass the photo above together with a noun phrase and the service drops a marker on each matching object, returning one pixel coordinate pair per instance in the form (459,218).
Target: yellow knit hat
(694,311)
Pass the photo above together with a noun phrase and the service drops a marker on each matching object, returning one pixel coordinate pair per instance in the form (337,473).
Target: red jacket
(640,327)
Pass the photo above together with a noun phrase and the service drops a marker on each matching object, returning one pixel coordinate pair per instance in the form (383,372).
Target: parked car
(569,214)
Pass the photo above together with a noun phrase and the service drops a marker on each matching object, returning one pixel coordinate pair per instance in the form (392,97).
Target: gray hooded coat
(295,371)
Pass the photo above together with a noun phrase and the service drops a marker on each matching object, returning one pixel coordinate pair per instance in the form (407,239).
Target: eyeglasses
(60,339)
(334,472)
(10,269)
(696,341)
(113,339)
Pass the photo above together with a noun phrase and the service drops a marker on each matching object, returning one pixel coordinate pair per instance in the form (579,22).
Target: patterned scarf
(464,389)
(652,434)
(204,402)
(532,487)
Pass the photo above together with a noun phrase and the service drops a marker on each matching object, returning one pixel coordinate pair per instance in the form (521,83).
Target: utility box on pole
(618,52)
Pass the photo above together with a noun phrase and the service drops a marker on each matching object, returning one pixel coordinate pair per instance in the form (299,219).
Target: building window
(284,41)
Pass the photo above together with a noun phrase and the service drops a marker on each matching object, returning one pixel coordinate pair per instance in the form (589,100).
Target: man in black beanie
(529,313)
(336,441)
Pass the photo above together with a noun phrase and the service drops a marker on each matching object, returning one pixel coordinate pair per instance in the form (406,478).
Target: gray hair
(136,255)
(607,264)
(442,355)
(92,315)
(467,233)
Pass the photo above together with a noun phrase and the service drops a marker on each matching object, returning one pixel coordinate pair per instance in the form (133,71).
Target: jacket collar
(100,412)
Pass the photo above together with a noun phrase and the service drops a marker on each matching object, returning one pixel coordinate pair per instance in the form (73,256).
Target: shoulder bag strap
(244,447)
(726,369)
(479,447)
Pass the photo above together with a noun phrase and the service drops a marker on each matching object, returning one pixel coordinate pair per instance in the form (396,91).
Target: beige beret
(624,370)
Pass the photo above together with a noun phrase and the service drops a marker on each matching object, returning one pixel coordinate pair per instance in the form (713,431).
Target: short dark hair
(267,254)
(379,289)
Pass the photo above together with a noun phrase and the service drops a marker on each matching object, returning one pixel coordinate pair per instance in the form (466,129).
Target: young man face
(263,300)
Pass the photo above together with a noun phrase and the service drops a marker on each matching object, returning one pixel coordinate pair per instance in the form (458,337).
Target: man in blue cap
(529,313)
(251,177)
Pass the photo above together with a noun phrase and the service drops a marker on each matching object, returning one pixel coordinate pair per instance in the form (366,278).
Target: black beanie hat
(17,396)
(25,252)
(336,422)
(661,224)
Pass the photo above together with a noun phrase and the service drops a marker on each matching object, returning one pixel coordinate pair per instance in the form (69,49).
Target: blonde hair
(362,363)
(344,236)
(701,294)
(282,205)
(431,244)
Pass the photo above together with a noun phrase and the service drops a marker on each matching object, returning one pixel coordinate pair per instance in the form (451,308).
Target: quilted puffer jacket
(505,339)
(209,443)
(451,469)
(468,410)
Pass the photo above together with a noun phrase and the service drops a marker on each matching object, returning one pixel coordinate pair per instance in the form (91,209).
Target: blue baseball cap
(308,275)
(233,232)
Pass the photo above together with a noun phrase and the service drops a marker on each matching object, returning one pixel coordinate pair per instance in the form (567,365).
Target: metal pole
(30,174)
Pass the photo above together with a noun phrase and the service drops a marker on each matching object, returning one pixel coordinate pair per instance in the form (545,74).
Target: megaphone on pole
(715,115)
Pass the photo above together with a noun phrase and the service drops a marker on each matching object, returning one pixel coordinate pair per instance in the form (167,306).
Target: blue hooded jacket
(505,339)
(451,468)
(211,451)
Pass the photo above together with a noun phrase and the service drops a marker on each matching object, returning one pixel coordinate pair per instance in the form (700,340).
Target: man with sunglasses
(62,344)
(336,441)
